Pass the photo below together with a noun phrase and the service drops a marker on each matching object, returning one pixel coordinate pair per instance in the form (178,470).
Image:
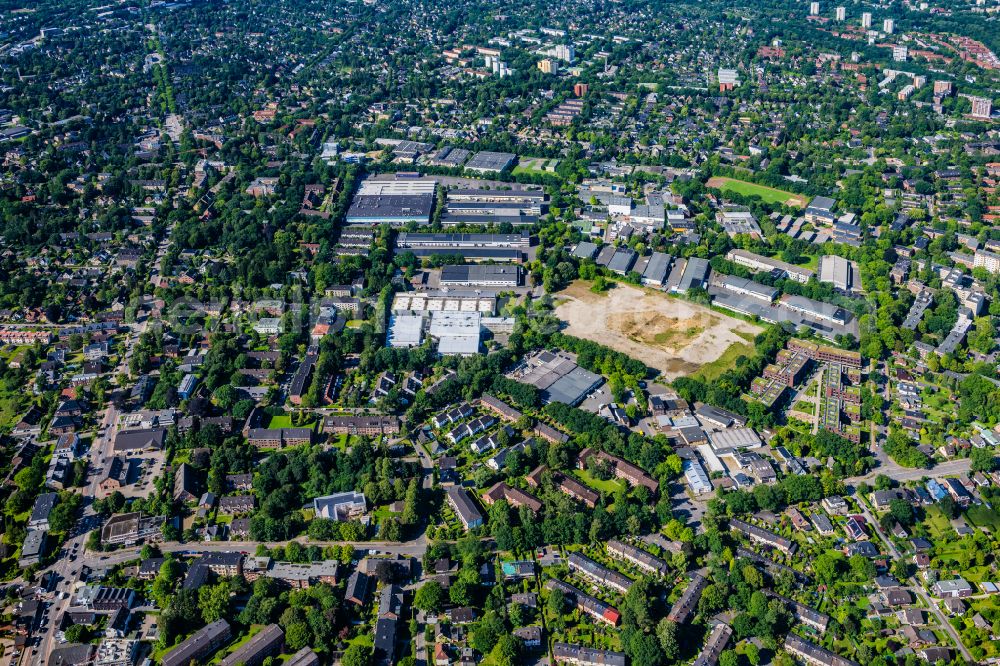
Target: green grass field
(283,421)
(767,194)
(937,523)
(383,513)
(609,486)
(982,516)
(713,370)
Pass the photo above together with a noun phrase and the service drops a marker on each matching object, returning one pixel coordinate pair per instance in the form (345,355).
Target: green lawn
(937,523)
(283,421)
(383,512)
(609,486)
(767,194)
(714,369)
(812,262)
(982,516)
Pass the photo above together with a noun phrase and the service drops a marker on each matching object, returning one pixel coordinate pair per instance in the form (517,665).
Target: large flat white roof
(405,331)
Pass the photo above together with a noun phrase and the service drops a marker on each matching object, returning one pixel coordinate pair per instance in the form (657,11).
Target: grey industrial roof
(454,219)
(695,273)
(836,270)
(407,239)
(451,156)
(822,203)
(623,260)
(572,387)
(585,250)
(816,308)
(489,161)
(496,254)
(605,255)
(738,284)
(392,206)
(656,269)
(480,273)
(734,438)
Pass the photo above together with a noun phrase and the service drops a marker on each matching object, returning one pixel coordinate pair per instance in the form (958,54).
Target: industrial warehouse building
(396,202)
(406,239)
(457,333)
(557,377)
(841,273)
(471,247)
(490,162)
(396,210)
(481,276)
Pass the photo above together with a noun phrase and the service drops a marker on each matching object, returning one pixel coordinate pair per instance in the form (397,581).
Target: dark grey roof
(695,272)
(416,207)
(357,587)
(198,644)
(464,505)
(265,642)
(137,440)
(585,250)
(385,640)
(623,260)
(656,269)
(822,203)
(477,274)
(71,654)
(44,504)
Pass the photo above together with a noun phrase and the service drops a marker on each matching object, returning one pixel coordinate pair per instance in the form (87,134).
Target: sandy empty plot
(671,335)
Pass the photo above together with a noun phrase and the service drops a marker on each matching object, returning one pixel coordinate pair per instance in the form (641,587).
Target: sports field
(767,194)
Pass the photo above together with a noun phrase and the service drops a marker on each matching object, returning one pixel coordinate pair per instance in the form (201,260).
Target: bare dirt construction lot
(674,336)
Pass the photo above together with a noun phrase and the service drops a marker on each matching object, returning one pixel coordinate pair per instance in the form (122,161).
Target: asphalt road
(889,468)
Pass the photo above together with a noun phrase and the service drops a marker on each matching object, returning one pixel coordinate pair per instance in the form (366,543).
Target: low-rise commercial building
(128,529)
(480,276)
(340,506)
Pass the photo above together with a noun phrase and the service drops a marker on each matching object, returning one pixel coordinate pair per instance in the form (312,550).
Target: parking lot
(145,469)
